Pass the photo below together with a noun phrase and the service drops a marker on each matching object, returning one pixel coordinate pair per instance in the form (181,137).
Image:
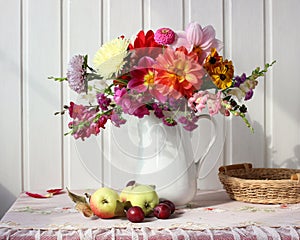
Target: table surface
(210,214)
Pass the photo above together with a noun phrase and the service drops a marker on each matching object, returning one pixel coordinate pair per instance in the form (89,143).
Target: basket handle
(246,166)
(296,176)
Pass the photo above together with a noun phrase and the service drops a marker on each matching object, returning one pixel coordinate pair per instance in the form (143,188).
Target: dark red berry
(135,214)
(162,211)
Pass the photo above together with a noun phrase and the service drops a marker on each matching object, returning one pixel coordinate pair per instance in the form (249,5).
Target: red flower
(145,45)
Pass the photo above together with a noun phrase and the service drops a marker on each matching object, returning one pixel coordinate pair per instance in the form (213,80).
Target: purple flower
(189,125)
(239,80)
(158,112)
(249,95)
(116,119)
(119,93)
(103,101)
(76,74)
(164,36)
(131,104)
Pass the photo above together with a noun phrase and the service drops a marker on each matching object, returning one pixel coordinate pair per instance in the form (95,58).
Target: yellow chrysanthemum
(222,74)
(110,58)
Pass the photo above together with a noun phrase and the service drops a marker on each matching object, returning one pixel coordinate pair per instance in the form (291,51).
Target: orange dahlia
(178,74)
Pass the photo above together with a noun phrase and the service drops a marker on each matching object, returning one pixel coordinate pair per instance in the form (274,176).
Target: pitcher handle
(200,160)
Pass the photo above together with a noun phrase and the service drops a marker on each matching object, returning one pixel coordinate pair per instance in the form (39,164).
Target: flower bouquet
(177,75)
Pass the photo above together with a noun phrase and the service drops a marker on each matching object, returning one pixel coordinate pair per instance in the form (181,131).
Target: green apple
(125,192)
(104,202)
(141,195)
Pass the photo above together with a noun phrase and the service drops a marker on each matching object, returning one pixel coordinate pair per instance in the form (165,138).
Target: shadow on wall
(292,162)
(6,200)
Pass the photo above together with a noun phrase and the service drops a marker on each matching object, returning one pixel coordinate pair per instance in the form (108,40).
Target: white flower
(110,58)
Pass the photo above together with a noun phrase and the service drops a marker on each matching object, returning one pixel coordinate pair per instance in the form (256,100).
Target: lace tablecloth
(212,215)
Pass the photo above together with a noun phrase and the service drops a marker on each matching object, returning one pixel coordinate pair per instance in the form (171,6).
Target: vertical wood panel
(121,18)
(10,98)
(269,158)
(81,35)
(168,13)
(42,130)
(208,13)
(247,52)
(114,12)
(284,131)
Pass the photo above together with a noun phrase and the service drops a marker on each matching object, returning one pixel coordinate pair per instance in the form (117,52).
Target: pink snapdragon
(116,119)
(85,121)
(132,104)
(189,123)
(204,98)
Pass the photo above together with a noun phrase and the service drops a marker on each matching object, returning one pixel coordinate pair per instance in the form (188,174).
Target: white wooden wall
(38,38)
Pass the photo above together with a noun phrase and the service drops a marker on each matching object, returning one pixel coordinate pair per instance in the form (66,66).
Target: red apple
(170,203)
(135,214)
(162,211)
(103,202)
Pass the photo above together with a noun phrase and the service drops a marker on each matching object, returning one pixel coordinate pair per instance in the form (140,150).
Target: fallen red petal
(55,191)
(284,205)
(36,195)
(209,209)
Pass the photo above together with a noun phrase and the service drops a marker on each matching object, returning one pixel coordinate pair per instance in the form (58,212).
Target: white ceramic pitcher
(147,151)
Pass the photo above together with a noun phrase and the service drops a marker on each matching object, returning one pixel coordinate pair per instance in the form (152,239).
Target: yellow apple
(140,195)
(103,202)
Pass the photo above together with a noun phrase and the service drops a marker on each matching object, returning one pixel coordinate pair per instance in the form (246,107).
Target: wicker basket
(261,185)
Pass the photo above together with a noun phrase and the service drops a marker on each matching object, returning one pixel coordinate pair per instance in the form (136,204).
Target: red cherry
(162,211)
(135,214)
(170,203)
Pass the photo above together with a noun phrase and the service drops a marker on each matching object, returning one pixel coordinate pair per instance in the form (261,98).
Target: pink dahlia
(197,39)
(164,36)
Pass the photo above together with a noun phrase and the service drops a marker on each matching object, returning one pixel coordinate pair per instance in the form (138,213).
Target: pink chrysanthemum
(76,74)
(164,36)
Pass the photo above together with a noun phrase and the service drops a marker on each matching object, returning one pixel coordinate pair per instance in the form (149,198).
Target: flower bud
(194,33)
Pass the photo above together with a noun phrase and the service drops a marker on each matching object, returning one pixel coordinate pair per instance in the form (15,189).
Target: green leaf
(81,204)
(120,211)
(58,79)
(127,205)
(85,209)
(76,198)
